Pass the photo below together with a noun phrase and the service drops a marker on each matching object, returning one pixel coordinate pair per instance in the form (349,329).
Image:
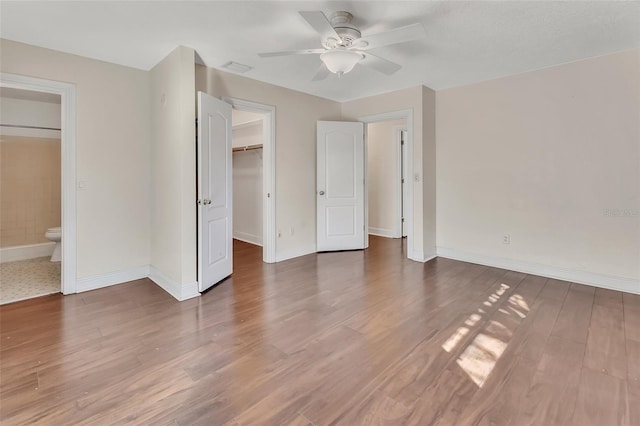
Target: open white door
(340,186)
(215,206)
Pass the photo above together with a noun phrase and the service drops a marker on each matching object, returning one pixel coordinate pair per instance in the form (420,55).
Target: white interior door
(215,206)
(340,186)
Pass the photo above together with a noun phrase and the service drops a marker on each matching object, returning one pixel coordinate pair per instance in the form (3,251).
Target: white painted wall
(113,136)
(550,157)
(173,173)
(247,184)
(296,117)
(383,171)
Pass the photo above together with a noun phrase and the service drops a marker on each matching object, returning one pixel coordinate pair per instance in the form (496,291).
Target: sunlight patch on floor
(479,358)
(481,355)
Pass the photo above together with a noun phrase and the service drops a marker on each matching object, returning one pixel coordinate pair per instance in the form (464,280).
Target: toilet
(55,235)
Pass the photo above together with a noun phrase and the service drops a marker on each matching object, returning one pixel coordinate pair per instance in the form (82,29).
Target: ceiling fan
(344,46)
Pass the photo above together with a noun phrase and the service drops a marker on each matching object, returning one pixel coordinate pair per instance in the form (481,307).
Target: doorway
(254,156)
(247,145)
(58,244)
(385,178)
(401,148)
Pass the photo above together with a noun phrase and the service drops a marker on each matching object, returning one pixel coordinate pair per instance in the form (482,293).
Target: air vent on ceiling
(236,67)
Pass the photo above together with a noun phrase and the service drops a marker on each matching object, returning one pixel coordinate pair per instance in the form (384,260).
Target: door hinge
(402,180)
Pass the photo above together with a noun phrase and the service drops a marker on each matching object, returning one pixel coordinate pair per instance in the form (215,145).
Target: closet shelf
(247,148)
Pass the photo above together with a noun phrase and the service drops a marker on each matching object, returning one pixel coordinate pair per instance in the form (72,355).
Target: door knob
(207,201)
(321,192)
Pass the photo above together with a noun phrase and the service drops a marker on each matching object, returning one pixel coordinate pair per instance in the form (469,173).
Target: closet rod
(18,126)
(246,148)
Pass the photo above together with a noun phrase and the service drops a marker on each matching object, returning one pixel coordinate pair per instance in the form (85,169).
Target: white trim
(179,291)
(627,285)
(295,252)
(112,278)
(269,253)
(428,258)
(397,187)
(67,92)
(30,133)
(247,238)
(407,114)
(419,256)
(387,233)
(28,251)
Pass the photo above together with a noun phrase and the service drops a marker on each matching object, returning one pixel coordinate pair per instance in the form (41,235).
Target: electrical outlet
(291,231)
(506,239)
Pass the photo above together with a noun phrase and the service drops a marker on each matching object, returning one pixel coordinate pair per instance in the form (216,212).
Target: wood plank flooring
(348,338)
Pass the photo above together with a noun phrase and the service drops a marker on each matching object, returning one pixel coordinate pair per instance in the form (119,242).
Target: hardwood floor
(364,337)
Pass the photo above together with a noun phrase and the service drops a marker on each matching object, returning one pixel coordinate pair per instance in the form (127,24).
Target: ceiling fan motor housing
(341,22)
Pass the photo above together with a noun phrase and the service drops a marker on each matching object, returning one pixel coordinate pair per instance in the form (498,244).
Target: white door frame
(67,94)
(268,172)
(403,187)
(399,196)
(406,114)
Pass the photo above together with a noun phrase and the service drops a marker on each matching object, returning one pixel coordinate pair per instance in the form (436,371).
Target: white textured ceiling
(466,41)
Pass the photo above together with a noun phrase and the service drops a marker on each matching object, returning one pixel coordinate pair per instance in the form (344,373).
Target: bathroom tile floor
(30,278)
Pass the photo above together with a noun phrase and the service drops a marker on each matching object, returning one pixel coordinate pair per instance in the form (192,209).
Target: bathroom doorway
(37,180)
(30,194)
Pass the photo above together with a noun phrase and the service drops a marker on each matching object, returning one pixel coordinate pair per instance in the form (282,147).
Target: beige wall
(173,167)
(422,141)
(296,116)
(383,172)
(543,156)
(429,171)
(247,184)
(113,126)
(29,189)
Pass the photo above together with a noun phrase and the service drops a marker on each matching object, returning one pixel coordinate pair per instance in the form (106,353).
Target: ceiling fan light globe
(341,61)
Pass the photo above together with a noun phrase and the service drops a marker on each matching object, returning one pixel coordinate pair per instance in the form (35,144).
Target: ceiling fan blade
(321,24)
(323,72)
(379,64)
(395,36)
(291,52)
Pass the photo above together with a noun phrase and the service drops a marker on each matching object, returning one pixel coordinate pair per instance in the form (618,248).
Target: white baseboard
(295,252)
(30,251)
(248,238)
(387,233)
(111,278)
(419,256)
(627,285)
(177,290)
